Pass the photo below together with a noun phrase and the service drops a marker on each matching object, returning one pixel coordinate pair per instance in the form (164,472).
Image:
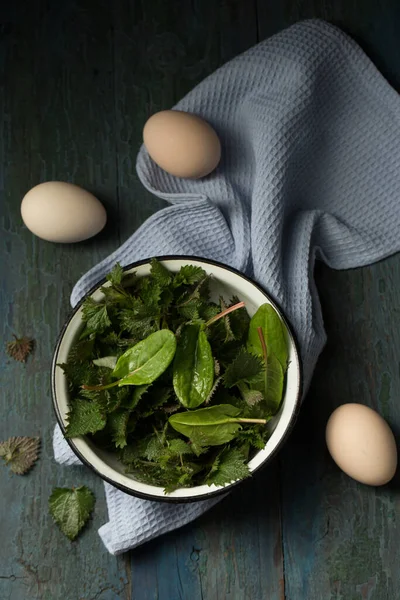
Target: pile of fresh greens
(180,387)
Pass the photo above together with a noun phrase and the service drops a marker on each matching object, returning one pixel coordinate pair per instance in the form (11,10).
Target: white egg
(62,212)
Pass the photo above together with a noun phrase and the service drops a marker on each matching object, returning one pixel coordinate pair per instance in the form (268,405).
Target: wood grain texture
(341,538)
(57,122)
(77,81)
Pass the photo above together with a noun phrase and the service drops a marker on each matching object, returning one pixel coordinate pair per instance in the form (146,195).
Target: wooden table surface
(78,79)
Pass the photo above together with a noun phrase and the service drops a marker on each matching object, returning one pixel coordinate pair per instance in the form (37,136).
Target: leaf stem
(262,421)
(225,312)
(99,388)
(263,344)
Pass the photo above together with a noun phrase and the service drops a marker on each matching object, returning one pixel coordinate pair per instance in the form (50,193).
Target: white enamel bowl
(226,282)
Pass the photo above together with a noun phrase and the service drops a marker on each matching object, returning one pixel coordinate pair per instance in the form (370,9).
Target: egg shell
(182,144)
(362,444)
(62,212)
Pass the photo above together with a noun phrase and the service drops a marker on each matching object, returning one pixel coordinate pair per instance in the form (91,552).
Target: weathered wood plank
(341,538)
(343,535)
(231,553)
(77,82)
(57,122)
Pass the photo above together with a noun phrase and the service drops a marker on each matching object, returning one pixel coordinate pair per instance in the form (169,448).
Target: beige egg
(362,444)
(182,144)
(62,212)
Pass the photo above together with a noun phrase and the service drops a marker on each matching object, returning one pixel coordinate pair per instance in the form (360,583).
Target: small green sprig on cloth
(178,385)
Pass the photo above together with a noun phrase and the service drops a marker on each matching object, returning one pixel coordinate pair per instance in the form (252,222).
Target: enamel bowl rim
(214,490)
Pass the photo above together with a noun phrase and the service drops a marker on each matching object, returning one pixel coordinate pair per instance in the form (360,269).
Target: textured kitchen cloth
(310,168)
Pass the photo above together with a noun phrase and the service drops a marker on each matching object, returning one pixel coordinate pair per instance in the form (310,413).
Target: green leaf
(154,448)
(71,508)
(84,417)
(20,453)
(147,360)
(244,367)
(229,466)
(274,333)
(116,275)
(239,321)
(139,323)
(95,315)
(254,436)
(208,426)
(270,383)
(133,400)
(160,274)
(117,423)
(178,447)
(81,351)
(156,399)
(189,275)
(250,396)
(107,361)
(193,370)
(150,292)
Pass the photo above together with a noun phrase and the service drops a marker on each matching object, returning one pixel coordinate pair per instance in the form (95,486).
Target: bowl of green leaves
(176,378)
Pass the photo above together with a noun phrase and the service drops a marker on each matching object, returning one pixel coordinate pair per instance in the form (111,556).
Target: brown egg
(182,144)
(362,444)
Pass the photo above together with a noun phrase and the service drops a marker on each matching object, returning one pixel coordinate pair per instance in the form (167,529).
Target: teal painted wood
(341,539)
(78,80)
(57,122)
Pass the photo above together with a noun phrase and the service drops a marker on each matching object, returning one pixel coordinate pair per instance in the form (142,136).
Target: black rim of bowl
(214,493)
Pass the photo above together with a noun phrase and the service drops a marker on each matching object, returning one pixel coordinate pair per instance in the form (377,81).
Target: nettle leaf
(160,274)
(116,275)
(156,400)
(81,351)
(178,447)
(244,367)
(191,310)
(139,324)
(154,448)
(78,374)
(193,370)
(214,388)
(117,424)
(250,396)
(95,315)
(84,417)
(71,508)
(20,348)
(189,275)
(239,320)
(274,333)
(20,453)
(135,396)
(254,437)
(150,292)
(229,466)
